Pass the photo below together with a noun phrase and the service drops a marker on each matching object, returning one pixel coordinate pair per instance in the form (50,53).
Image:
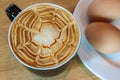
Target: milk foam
(46,36)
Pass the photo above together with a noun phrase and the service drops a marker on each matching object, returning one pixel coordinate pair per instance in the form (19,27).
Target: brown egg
(104,37)
(104,10)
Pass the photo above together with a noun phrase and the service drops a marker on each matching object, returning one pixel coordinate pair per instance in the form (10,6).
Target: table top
(10,69)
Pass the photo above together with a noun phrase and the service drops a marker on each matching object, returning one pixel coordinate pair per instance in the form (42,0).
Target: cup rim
(47,68)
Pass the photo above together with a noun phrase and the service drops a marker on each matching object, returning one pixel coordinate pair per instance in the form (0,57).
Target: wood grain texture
(10,69)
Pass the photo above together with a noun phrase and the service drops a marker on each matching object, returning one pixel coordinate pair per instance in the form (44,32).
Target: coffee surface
(44,36)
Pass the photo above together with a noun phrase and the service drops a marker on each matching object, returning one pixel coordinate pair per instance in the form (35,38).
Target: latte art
(44,36)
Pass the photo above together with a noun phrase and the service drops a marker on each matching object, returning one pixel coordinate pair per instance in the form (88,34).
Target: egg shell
(104,37)
(104,10)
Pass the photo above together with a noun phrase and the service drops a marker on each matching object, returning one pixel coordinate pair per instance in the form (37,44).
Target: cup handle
(12,11)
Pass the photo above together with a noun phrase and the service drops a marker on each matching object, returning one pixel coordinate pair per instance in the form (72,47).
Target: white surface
(106,67)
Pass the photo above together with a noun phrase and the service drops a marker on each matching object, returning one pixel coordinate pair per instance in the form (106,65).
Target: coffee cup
(43,36)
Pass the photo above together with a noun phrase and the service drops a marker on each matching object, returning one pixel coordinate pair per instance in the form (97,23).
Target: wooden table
(10,69)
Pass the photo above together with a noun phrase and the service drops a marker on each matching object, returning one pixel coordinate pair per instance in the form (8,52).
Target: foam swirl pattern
(44,36)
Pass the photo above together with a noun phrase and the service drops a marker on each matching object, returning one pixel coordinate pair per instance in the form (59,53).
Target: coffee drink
(44,36)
